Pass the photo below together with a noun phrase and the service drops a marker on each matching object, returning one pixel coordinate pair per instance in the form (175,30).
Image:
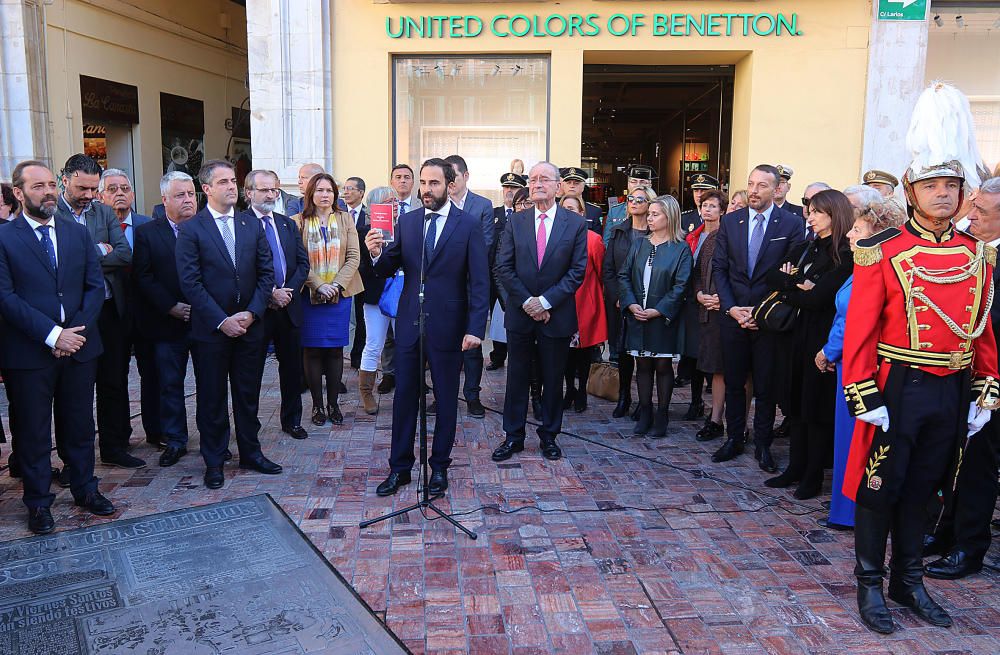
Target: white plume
(941,130)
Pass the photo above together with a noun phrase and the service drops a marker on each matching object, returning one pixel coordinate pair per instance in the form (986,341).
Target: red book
(381,218)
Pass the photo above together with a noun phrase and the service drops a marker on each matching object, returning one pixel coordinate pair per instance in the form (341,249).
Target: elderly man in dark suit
(81,178)
(447,246)
(51,292)
(751,241)
(117,193)
(542,259)
(164,314)
(283,317)
(225,270)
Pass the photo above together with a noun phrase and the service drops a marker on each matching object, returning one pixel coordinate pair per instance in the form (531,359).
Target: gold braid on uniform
(868,255)
(951,275)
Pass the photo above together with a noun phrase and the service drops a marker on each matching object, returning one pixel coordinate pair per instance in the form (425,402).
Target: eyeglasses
(541,180)
(639,200)
(266,192)
(115,188)
(805,201)
(349,188)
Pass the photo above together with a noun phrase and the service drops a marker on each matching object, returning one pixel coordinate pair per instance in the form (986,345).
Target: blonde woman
(331,241)
(738,200)
(654,285)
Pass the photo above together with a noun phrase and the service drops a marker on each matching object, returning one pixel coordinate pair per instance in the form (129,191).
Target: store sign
(589,25)
(902,9)
(104,101)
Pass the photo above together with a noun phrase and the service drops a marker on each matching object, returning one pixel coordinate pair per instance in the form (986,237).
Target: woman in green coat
(654,284)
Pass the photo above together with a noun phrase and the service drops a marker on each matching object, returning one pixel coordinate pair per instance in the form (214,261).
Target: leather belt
(955,360)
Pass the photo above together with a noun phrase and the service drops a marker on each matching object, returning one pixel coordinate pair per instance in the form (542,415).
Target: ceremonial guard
(700,183)
(920,360)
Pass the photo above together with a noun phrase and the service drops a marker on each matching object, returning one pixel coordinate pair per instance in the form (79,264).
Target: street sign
(902,9)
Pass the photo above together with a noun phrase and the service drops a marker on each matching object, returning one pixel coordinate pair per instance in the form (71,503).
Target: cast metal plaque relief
(232,578)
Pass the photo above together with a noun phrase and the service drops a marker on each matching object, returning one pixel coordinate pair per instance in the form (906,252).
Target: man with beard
(51,292)
(447,246)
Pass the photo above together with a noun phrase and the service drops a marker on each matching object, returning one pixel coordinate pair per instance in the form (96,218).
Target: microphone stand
(425,500)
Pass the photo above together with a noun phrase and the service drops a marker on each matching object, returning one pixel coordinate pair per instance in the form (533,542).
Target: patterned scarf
(324,251)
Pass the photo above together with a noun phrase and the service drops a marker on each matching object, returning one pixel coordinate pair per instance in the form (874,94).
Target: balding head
(306,173)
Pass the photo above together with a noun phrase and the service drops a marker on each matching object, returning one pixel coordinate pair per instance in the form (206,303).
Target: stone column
(290,73)
(897,59)
(24,115)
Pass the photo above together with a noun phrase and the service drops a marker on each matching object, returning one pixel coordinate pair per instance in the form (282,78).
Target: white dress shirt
(443,213)
(460,202)
(218,223)
(54,333)
(129,231)
(277,237)
(550,216)
(753,214)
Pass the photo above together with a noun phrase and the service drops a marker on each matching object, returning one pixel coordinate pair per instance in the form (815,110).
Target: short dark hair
(520,195)
(358,182)
(7,194)
(457,160)
(308,206)
(717,195)
(397,167)
(772,170)
(81,163)
(17,176)
(444,165)
(207,171)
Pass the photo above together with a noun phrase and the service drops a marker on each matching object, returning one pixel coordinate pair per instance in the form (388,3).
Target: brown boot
(366,384)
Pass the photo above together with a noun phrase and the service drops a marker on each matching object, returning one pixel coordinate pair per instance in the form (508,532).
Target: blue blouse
(834,348)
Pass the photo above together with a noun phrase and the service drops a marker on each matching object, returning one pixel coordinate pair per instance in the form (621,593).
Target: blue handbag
(388,304)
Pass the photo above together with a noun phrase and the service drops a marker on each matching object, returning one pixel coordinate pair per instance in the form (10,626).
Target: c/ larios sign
(588,25)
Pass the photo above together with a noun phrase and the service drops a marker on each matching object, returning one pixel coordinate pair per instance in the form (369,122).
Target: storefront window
(489,110)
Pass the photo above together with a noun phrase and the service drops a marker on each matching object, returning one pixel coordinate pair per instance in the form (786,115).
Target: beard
(433,202)
(265,207)
(43,211)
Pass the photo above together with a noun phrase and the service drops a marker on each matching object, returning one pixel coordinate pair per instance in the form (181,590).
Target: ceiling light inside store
(960,20)
(996,24)
(938,21)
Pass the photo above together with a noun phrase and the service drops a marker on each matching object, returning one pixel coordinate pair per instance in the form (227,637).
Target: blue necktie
(509,212)
(430,237)
(276,254)
(403,207)
(48,245)
(756,241)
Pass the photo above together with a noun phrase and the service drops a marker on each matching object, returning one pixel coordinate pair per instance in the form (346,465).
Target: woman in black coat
(618,247)
(654,286)
(811,286)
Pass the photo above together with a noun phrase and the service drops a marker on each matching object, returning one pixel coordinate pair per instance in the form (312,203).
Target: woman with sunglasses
(622,236)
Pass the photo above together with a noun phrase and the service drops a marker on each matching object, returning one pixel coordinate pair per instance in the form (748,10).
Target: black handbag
(773,313)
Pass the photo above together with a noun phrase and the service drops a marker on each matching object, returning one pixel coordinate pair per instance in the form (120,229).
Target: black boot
(660,422)
(712,430)
(645,420)
(871,529)
(906,581)
(624,403)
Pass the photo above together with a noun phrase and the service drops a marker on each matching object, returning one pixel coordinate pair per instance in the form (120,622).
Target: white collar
(216,215)
(461,201)
(128,219)
(766,213)
(262,216)
(549,213)
(35,224)
(443,212)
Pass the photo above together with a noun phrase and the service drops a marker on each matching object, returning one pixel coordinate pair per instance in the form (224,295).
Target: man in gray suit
(80,180)
(481,209)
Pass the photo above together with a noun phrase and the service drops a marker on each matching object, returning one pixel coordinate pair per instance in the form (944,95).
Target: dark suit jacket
(159,211)
(31,292)
(558,278)
(104,227)
(296,261)
(594,217)
(154,268)
(792,209)
(482,210)
(362,219)
(457,285)
(215,289)
(736,288)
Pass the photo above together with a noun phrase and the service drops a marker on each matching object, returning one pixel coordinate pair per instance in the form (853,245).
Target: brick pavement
(721,567)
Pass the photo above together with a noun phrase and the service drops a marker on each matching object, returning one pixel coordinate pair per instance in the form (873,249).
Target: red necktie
(124,225)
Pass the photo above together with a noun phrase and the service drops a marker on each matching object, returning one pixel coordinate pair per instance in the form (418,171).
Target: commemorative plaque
(235,578)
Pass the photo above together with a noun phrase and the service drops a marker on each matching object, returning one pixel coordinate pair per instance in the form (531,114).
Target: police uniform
(691,219)
(500,214)
(785,173)
(919,374)
(594,215)
(619,212)
(875,176)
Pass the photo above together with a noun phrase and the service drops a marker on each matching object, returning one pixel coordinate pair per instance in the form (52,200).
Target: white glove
(978,418)
(879,417)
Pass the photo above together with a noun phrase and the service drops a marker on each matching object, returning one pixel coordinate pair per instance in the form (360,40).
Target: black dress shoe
(214,479)
(296,432)
(438,483)
(732,448)
(387,384)
(935,545)
(122,460)
(475,408)
(782,481)
(696,411)
(96,504)
(764,459)
(171,454)
(807,490)
(318,416)
(712,430)
(956,565)
(915,596)
(392,483)
(333,411)
(550,450)
(261,464)
(40,520)
(506,450)
(829,525)
(492,366)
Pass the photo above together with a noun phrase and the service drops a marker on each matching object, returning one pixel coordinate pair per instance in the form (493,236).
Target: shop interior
(676,119)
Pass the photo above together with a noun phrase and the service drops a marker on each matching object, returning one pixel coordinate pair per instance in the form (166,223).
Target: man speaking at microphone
(448,245)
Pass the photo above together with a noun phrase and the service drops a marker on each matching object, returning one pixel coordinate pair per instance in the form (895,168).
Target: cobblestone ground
(719,566)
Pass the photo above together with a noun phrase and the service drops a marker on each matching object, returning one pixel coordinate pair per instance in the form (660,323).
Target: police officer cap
(876,176)
(514,180)
(573,173)
(785,172)
(704,181)
(642,172)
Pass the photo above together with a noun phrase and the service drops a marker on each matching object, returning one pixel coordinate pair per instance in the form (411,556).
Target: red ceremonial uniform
(913,294)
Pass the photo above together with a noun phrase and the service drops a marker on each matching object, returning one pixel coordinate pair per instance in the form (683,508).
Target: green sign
(902,9)
(589,25)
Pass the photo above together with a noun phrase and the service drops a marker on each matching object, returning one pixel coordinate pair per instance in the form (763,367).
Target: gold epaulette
(991,255)
(868,255)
